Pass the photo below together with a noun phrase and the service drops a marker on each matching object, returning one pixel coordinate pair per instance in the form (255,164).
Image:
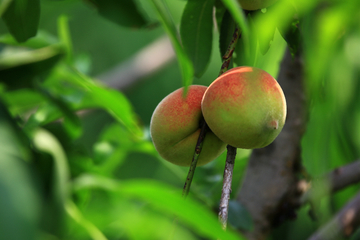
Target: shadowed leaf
(196,33)
(124,13)
(22,18)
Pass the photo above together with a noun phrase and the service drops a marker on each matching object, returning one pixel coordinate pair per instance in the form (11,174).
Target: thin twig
(226,190)
(197,152)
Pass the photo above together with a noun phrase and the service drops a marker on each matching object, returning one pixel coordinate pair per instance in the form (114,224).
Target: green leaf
(22,100)
(65,38)
(22,18)
(196,33)
(193,214)
(124,13)
(71,120)
(263,21)
(220,10)
(91,229)
(238,15)
(44,141)
(293,37)
(41,40)
(97,96)
(19,67)
(4,4)
(241,49)
(19,201)
(227,29)
(186,67)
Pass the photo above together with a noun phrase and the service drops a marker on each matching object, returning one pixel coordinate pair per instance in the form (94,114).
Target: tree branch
(271,177)
(334,181)
(343,224)
(148,60)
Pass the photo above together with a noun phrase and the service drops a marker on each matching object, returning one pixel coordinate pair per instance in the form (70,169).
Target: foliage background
(96,175)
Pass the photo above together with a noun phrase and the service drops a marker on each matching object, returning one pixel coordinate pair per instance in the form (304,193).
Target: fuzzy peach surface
(245,107)
(175,128)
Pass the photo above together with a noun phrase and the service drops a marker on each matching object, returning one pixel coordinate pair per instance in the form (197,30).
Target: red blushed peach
(245,107)
(175,128)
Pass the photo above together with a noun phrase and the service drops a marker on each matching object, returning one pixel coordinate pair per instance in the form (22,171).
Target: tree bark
(270,181)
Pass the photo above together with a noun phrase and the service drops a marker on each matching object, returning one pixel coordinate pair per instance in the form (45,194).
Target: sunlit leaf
(161,196)
(22,18)
(196,33)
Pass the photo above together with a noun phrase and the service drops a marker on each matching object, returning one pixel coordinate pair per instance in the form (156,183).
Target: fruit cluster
(245,107)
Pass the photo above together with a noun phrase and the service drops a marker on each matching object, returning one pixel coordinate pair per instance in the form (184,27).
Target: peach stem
(226,190)
(197,152)
(229,163)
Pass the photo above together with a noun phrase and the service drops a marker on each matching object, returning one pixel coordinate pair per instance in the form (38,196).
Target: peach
(175,128)
(245,107)
(255,4)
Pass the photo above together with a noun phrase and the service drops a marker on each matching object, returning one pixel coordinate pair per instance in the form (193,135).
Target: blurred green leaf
(238,15)
(4,4)
(22,18)
(186,67)
(22,100)
(124,13)
(110,150)
(76,214)
(19,202)
(19,66)
(44,141)
(97,96)
(161,196)
(65,37)
(220,10)
(71,120)
(41,40)
(266,40)
(196,33)
(293,37)
(241,59)
(227,29)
